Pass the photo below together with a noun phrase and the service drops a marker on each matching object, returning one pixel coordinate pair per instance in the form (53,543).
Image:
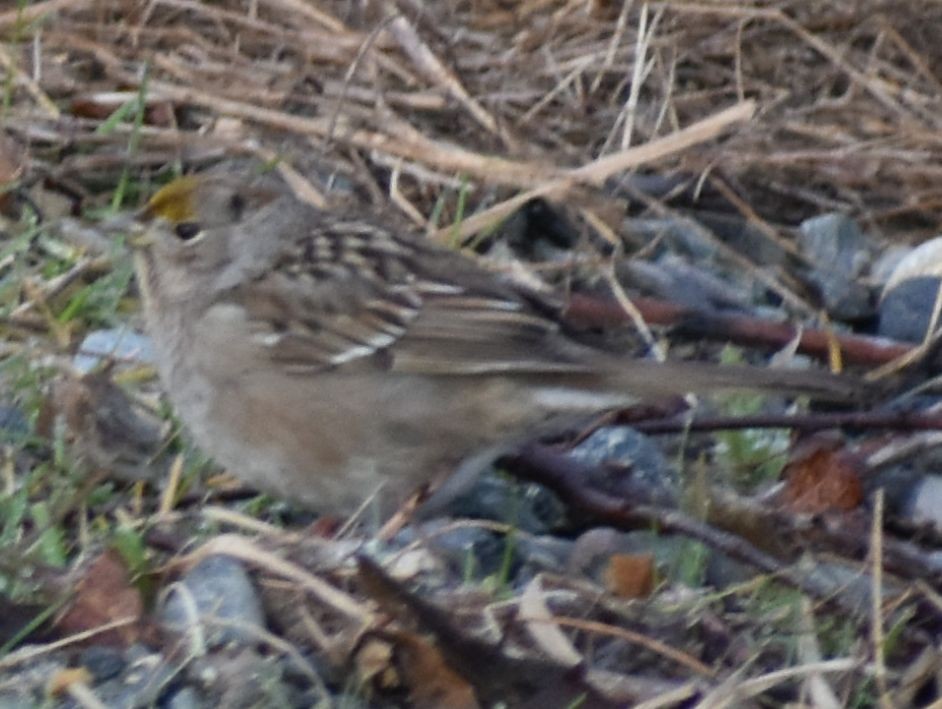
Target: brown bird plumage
(323,357)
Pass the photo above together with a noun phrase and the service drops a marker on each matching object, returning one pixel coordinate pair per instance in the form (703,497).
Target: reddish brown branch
(589,311)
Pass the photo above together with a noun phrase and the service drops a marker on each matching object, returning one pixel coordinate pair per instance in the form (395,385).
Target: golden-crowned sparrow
(322,357)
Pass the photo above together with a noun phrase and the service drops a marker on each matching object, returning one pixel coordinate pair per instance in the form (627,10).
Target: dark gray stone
(103,662)
(541,554)
(527,507)
(905,311)
(467,548)
(144,679)
(839,252)
(641,468)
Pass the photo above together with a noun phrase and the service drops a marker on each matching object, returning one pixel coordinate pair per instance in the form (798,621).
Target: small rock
(186,698)
(679,235)
(215,604)
(839,252)
(696,237)
(901,483)
(466,548)
(103,662)
(10,700)
(540,554)
(925,502)
(528,507)
(145,678)
(740,235)
(673,278)
(905,311)
(642,470)
(119,343)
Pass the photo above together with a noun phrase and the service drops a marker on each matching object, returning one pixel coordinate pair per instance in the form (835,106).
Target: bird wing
(351,293)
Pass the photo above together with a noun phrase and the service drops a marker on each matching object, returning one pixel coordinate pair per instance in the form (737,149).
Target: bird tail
(697,376)
(627,381)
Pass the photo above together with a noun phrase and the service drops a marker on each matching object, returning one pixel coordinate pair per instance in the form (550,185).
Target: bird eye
(187,230)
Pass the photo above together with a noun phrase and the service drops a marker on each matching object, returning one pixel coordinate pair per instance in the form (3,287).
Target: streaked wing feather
(354,290)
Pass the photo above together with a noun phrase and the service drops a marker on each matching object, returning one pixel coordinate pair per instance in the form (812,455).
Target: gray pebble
(143,681)
(11,700)
(120,343)
(214,604)
(839,252)
(905,310)
(469,548)
(103,662)
(528,507)
(925,501)
(643,468)
(186,698)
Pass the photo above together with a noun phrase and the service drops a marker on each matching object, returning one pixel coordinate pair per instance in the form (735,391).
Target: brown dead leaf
(431,682)
(823,476)
(88,108)
(404,660)
(104,594)
(494,675)
(630,575)
(158,113)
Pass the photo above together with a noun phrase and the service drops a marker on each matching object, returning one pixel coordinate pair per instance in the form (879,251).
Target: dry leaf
(432,683)
(103,595)
(540,625)
(630,575)
(402,659)
(823,476)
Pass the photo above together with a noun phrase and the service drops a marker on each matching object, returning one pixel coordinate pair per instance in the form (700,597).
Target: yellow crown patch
(174,201)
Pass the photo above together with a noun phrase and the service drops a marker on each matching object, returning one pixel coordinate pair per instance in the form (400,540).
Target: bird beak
(142,240)
(139,236)
(139,233)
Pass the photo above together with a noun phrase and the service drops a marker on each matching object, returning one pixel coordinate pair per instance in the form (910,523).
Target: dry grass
(507,95)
